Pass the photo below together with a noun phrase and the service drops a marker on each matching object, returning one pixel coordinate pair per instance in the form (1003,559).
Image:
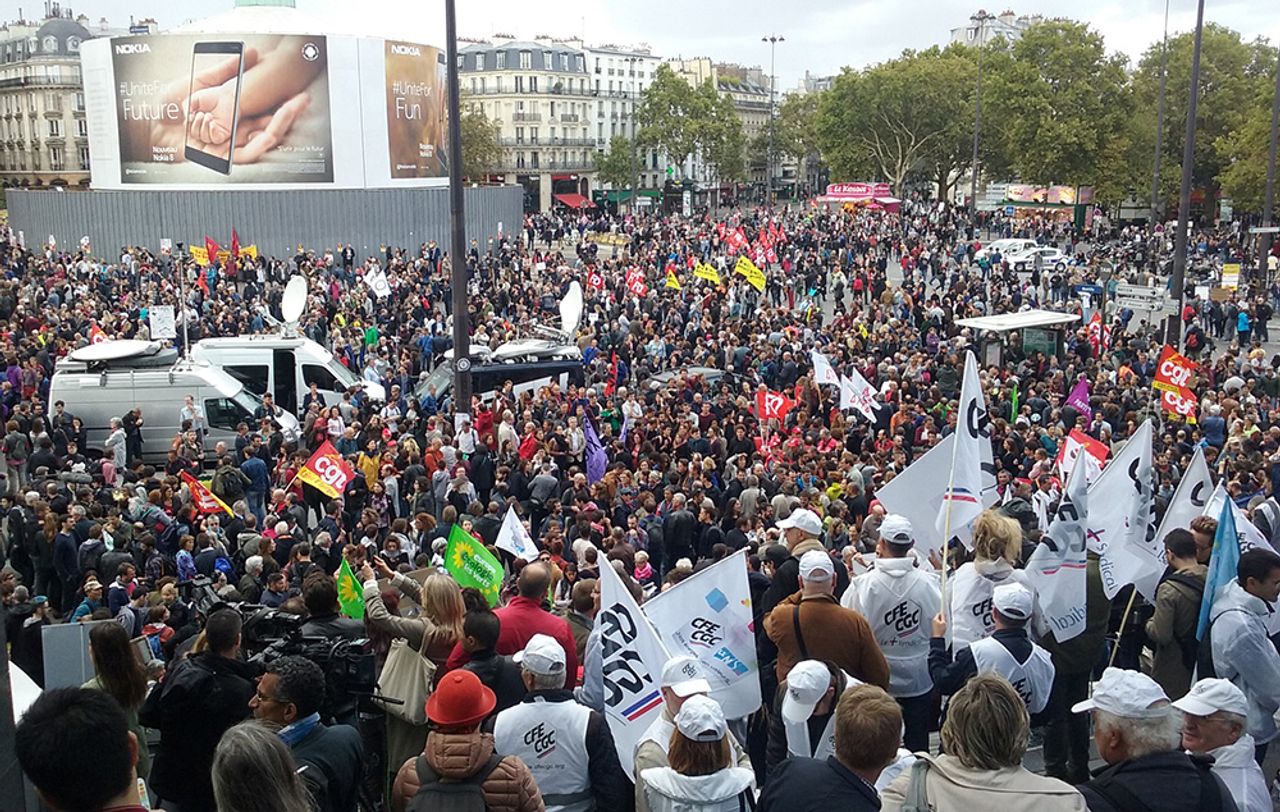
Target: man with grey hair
(567,746)
(251,585)
(1213,723)
(1138,733)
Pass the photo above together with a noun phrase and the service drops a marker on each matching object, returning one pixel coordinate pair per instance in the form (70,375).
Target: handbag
(407,675)
(917,796)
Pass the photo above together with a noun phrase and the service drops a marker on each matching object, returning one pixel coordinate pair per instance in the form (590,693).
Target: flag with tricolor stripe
(631,666)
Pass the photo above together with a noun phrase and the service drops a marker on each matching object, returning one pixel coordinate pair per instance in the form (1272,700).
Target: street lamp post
(1184,192)
(459,271)
(773,40)
(978,21)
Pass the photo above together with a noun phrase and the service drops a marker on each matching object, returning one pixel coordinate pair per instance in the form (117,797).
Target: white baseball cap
(701,719)
(1208,696)
(807,683)
(816,565)
(1012,600)
(1128,694)
(803,520)
(683,675)
(542,655)
(897,530)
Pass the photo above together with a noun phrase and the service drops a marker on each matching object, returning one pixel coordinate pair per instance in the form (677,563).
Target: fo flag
(822,370)
(206,501)
(327,471)
(708,617)
(631,661)
(1057,566)
(858,393)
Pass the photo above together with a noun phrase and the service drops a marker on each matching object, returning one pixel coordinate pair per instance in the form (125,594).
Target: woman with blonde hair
(432,633)
(984,739)
(701,775)
(997,544)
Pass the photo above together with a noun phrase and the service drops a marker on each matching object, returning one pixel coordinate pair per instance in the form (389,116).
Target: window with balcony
(533,160)
(55,128)
(519,135)
(497,84)
(500,60)
(526,60)
(519,84)
(533,135)
(473,85)
(482,85)
(533,84)
(519,160)
(57,159)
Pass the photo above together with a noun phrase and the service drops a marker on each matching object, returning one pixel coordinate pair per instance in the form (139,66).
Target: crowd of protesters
(691,475)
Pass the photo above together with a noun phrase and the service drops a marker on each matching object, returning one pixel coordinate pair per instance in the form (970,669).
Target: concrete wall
(275,221)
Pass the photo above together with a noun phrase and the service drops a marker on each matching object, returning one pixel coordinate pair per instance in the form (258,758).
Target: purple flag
(1079,399)
(597,460)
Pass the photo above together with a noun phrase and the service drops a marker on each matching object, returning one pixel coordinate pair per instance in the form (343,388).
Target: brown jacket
(831,632)
(1176,616)
(456,756)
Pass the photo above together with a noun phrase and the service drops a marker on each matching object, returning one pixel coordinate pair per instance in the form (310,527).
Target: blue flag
(1223,562)
(597,460)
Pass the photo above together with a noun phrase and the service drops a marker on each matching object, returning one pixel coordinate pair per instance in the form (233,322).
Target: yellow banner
(200,255)
(250,251)
(672,281)
(753,274)
(707,272)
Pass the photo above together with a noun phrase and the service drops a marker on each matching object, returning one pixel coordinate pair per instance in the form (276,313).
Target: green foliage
(670,115)
(481,152)
(617,165)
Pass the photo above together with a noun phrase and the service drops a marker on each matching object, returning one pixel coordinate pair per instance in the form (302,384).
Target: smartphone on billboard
(213,111)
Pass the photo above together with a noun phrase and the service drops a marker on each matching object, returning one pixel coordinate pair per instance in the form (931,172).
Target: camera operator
(203,695)
(320,594)
(290,694)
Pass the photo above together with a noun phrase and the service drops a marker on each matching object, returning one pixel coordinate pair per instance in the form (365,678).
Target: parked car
(1050,258)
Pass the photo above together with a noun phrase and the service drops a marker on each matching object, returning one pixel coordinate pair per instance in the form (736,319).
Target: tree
(669,115)
(617,165)
(1063,101)
(1246,150)
(890,119)
(1234,77)
(720,137)
(481,152)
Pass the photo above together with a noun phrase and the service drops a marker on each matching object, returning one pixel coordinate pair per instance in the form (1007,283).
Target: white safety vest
(899,601)
(971,617)
(1033,679)
(551,738)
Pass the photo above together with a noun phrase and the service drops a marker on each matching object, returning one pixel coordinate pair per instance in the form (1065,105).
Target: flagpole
(1124,620)
(946,527)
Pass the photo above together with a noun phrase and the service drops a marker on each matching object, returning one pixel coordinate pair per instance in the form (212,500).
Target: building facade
(543,100)
(619,76)
(44,136)
(750,91)
(983,28)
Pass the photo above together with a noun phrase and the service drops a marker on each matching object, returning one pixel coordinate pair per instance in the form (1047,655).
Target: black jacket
(333,626)
(501,675)
(201,698)
(334,761)
(810,785)
(1168,782)
(678,531)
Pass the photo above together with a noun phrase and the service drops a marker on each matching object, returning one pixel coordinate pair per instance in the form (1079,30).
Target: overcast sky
(821,35)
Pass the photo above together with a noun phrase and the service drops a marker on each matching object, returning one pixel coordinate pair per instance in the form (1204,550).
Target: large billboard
(264,111)
(415,80)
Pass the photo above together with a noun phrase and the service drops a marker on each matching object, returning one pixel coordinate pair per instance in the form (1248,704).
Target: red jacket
(521,619)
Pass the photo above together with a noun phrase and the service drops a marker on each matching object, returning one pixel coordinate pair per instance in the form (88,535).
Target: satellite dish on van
(115,350)
(295,300)
(571,309)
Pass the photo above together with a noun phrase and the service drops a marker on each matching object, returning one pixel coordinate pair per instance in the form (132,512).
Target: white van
(107,379)
(285,366)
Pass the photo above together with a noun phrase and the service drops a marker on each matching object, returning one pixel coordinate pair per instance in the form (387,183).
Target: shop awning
(575,201)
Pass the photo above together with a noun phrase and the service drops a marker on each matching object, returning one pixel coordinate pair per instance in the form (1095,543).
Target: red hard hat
(460,699)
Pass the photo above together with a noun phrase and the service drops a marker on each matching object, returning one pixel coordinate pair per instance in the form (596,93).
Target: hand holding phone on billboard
(213,113)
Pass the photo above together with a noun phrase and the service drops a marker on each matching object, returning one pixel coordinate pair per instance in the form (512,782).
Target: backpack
(90,554)
(1190,646)
(436,794)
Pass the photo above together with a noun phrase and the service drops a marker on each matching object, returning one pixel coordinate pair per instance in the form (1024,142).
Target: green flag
(470,564)
(350,593)
(1013,408)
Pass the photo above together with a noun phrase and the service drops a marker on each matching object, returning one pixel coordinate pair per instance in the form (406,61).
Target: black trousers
(917,717)
(1066,734)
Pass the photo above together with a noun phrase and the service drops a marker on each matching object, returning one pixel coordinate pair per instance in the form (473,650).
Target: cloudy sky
(821,35)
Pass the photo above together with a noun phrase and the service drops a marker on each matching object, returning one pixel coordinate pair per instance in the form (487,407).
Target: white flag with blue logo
(708,616)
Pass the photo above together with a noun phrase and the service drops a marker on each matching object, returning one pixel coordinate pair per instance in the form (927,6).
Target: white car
(1005,247)
(1049,258)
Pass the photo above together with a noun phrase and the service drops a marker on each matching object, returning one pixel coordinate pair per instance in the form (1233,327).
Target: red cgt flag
(235,244)
(772,405)
(327,471)
(205,500)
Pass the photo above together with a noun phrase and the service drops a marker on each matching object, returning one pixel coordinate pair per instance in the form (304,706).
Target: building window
(473,85)
(80,101)
(564,61)
(462,65)
(526,60)
(533,84)
(73,45)
(480,61)
(579,63)
(519,84)
(497,84)
(533,135)
(546,60)
(519,135)
(84,157)
(56,159)
(533,160)
(50,44)
(500,60)
(55,128)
